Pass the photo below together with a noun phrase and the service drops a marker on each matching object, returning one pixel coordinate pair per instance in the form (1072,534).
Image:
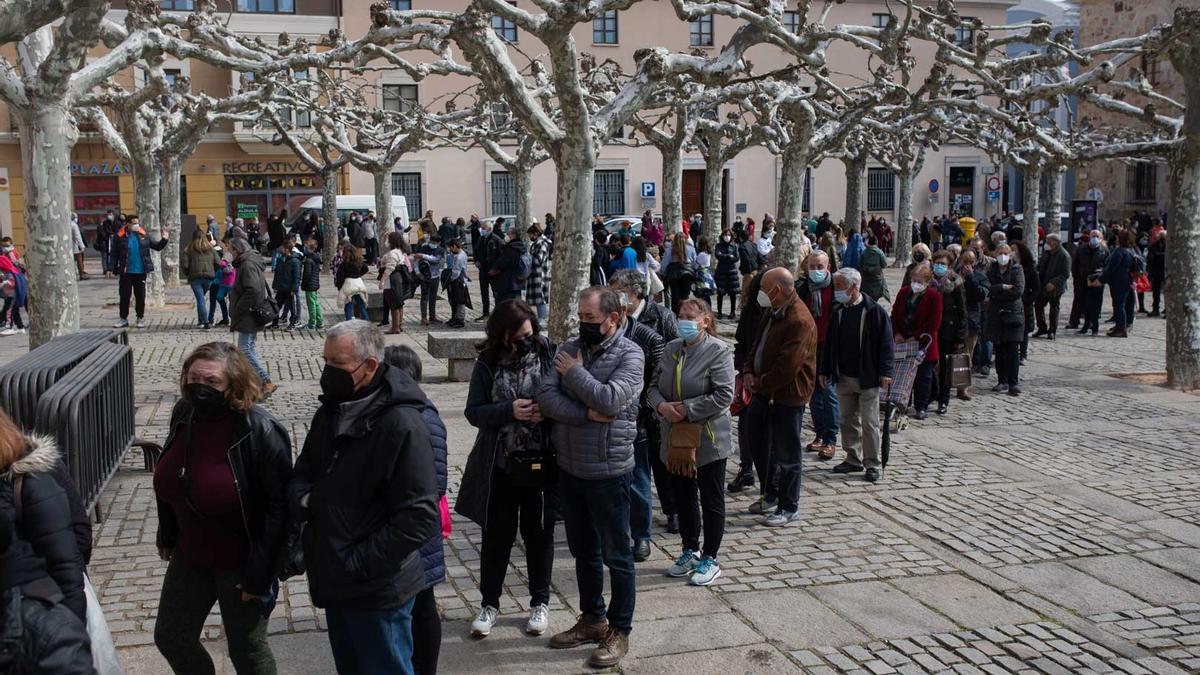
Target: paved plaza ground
(1055,532)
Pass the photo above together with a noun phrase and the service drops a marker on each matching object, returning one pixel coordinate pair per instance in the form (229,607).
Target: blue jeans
(641,500)
(356,309)
(247,342)
(1119,295)
(825,413)
(1093,302)
(596,515)
(200,290)
(982,358)
(365,641)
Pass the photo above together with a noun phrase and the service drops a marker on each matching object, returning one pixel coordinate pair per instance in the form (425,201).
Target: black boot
(740,482)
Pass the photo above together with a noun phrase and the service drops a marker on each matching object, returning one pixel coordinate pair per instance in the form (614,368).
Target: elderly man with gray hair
(365,483)
(858,362)
(1054,270)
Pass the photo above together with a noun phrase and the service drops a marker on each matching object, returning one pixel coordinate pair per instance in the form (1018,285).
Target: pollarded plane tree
(669,127)
(719,140)
(574,137)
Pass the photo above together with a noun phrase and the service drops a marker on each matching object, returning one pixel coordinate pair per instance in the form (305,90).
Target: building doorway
(693,192)
(962,190)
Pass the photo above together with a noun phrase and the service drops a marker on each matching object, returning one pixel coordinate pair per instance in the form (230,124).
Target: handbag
(960,370)
(655,284)
(1141,283)
(741,395)
(104,651)
(683,441)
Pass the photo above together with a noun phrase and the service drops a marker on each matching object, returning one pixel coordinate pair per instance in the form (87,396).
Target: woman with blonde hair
(221,487)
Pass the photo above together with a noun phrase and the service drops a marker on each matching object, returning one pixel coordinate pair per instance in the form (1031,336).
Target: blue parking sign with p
(648,189)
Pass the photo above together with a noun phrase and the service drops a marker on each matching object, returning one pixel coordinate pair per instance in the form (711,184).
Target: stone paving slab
(964,601)
(882,610)
(794,619)
(1141,578)
(1066,587)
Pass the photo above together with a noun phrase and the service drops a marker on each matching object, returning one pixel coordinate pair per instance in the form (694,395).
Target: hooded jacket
(52,518)
(260,458)
(120,249)
(249,293)
(953,330)
(507,265)
(368,489)
(310,276)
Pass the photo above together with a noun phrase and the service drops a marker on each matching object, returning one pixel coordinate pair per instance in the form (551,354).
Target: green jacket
(704,374)
(200,265)
(871,265)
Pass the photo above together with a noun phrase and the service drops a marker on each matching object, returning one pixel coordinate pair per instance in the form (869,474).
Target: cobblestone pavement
(1053,532)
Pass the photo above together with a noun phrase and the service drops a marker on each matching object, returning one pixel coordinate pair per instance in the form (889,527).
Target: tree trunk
(573,240)
(383,203)
(791,245)
(904,223)
(855,166)
(523,186)
(47,135)
(329,238)
(672,180)
(1055,207)
(1029,221)
(1182,286)
(171,219)
(714,208)
(146,201)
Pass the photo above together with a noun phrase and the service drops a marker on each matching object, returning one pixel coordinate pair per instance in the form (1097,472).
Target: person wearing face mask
(1023,257)
(921,255)
(250,306)
(641,502)
(1054,269)
(816,292)
(537,286)
(487,255)
(366,485)
(691,396)
(1006,318)
(221,487)
(727,278)
(592,395)
(871,265)
(780,370)
(1086,265)
(858,364)
(131,248)
(496,491)
(952,333)
(510,271)
(917,315)
(1117,274)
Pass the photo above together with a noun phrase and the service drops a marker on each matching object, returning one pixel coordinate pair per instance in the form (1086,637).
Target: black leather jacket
(261,460)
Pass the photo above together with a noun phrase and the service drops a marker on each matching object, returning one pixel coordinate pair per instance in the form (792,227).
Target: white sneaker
(482,625)
(121,324)
(8,331)
(706,572)
(780,518)
(685,564)
(141,323)
(539,620)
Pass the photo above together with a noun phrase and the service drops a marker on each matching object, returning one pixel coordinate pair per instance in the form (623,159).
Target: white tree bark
(573,242)
(146,200)
(672,180)
(329,214)
(523,186)
(1055,207)
(714,208)
(904,225)
(172,219)
(1182,286)
(854,167)
(383,203)
(791,245)
(47,134)
(1029,221)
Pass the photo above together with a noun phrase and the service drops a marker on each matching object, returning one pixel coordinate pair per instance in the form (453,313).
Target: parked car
(347,204)
(491,220)
(614,223)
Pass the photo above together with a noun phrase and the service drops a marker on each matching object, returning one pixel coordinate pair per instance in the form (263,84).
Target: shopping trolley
(894,403)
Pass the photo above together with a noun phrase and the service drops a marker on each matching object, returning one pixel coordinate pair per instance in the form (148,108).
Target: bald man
(781,371)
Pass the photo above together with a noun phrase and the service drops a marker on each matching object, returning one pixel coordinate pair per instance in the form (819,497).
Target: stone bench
(458,347)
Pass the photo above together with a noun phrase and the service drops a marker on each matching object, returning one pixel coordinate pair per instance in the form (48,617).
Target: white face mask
(1002,259)
(764,300)
(918,287)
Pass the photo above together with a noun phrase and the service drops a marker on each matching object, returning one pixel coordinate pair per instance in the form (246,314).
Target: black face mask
(590,333)
(337,384)
(918,256)
(208,401)
(524,345)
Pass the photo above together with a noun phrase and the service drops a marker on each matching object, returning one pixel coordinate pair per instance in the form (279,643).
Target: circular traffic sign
(993,183)
(933,186)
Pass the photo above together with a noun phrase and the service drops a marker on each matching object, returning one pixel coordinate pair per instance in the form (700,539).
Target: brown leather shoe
(587,630)
(964,394)
(827,452)
(614,646)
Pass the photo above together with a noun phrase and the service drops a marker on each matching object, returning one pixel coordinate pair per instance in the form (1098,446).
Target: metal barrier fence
(23,381)
(90,412)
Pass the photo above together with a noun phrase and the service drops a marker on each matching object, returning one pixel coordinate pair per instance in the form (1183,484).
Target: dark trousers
(641,496)
(511,508)
(485,292)
(135,283)
(287,306)
(427,633)
(1093,300)
(745,449)
(662,477)
(1008,362)
(777,455)
(702,496)
(1078,302)
(733,296)
(1129,313)
(366,641)
(1121,305)
(944,374)
(187,596)
(596,515)
(1042,302)
(370,250)
(1156,285)
(923,386)
(10,304)
(680,291)
(429,291)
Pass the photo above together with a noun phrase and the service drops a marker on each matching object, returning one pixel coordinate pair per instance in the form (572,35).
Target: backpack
(524,267)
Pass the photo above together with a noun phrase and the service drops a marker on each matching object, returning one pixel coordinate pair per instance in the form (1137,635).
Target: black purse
(533,465)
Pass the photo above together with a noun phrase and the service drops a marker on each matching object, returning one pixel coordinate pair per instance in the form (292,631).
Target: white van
(351,203)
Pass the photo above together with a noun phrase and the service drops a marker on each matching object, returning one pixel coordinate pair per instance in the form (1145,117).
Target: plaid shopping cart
(893,404)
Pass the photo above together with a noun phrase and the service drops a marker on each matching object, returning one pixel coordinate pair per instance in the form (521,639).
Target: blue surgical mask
(817,276)
(1095,242)
(940,270)
(841,296)
(688,330)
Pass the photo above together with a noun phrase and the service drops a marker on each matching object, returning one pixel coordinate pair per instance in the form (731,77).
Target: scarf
(518,377)
(815,293)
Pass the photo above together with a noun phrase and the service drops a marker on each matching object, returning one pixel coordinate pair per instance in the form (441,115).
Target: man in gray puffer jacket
(592,394)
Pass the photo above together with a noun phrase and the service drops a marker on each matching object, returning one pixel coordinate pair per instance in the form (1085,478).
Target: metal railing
(90,413)
(23,381)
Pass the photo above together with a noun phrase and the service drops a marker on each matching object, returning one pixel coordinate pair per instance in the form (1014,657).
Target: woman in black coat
(1029,297)
(1156,268)
(495,492)
(727,277)
(38,495)
(952,334)
(1006,318)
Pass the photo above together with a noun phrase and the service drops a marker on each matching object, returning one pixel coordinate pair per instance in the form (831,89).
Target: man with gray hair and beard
(366,485)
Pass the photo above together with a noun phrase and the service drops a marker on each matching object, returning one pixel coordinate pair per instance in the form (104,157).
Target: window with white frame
(700,32)
(409,185)
(791,21)
(964,35)
(604,28)
(401,98)
(881,189)
(267,6)
(881,20)
(505,28)
(609,192)
(504,193)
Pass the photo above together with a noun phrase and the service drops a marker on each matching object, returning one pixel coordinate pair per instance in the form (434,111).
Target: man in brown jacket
(781,371)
